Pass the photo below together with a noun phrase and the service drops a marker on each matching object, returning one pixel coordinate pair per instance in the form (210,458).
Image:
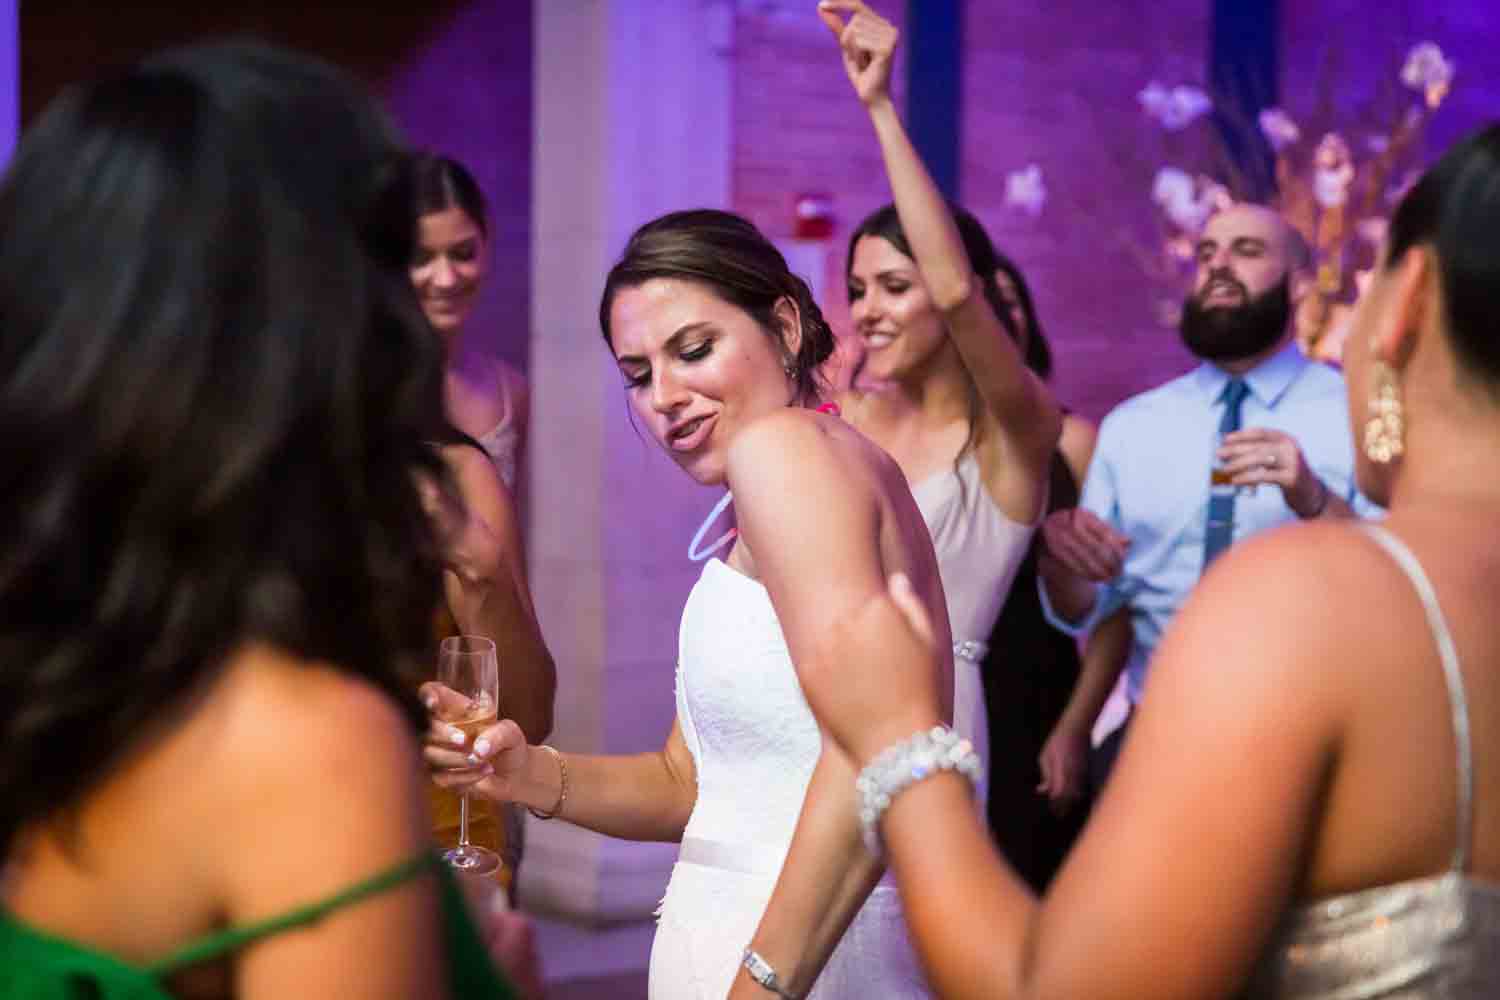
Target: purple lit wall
(464,90)
(1358,47)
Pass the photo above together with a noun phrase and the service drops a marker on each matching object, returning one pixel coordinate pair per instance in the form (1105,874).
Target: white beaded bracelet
(902,765)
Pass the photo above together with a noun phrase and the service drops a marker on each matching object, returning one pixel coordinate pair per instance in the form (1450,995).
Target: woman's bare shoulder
(796,443)
(280,716)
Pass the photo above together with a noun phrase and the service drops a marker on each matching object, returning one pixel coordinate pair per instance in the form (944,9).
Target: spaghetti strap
(1457,699)
(231,940)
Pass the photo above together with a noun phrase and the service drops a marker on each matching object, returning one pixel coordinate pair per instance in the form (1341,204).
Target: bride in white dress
(719,346)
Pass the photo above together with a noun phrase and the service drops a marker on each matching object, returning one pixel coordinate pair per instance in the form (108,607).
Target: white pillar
(10,77)
(631,119)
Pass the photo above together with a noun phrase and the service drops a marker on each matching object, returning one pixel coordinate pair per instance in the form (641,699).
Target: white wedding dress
(755,744)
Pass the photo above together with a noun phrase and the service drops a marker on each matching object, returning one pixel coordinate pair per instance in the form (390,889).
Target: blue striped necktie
(1220,530)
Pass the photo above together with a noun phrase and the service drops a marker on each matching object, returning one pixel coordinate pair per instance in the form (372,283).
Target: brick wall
(1055,84)
(799,128)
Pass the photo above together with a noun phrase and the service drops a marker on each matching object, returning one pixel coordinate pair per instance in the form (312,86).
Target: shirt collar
(1268,381)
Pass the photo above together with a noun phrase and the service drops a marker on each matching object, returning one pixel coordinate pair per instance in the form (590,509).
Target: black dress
(1028,678)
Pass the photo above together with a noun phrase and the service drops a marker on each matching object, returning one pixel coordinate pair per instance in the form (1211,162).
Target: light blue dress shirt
(1149,479)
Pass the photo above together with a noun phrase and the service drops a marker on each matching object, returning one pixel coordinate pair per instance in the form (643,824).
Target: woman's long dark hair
(215,388)
(1037,352)
(440,183)
(1455,209)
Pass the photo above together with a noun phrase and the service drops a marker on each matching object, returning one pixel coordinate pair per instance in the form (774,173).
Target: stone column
(631,119)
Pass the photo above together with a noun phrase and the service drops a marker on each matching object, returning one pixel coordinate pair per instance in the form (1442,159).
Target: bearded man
(1255,436)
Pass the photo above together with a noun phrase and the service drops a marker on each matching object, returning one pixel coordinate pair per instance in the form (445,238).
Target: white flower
(1188,103)
(1174,109)
(1154,99)
(1330,187)
(1372,230)
(1025,191)
(1183,201)
(1333,171)
(1428,72)
(1171,184)
(1279,129)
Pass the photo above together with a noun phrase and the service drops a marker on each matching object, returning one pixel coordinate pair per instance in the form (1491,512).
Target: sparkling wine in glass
(467,665)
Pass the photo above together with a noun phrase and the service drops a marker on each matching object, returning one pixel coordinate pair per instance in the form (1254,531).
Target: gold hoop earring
(1385,428)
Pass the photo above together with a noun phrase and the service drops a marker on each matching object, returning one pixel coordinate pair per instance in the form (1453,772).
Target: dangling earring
(790,367)
(1385,429)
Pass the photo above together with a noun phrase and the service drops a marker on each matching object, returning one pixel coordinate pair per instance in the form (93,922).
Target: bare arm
(646,796)
(818,558)
(1204,847)
(488,595)
(1018,405)
(1064,758)
(346,804)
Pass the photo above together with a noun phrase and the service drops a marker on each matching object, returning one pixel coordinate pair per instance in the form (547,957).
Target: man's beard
(1233,333)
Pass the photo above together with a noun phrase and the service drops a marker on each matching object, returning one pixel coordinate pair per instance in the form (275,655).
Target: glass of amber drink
(467,665)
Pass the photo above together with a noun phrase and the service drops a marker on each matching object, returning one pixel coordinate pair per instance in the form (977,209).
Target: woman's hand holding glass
(488,762)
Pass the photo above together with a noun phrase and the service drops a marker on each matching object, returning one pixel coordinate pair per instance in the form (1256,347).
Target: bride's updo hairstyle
(727,255)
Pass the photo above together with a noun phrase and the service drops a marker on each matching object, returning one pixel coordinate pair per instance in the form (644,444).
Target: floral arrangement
(1335,184)
(1334,191)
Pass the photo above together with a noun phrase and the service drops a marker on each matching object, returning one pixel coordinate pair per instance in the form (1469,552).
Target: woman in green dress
(218,394)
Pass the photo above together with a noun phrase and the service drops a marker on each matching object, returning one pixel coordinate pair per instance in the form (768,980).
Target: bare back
(1390,811)
(1296,742)
(230,816)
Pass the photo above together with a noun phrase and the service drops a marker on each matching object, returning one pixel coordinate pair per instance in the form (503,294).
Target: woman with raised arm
(219,397)
(951,399)
(1335,830)
(719,347)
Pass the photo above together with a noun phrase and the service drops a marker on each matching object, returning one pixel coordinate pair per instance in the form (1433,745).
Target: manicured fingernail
(430,700)
(457,736)
(473,761)
(482,747)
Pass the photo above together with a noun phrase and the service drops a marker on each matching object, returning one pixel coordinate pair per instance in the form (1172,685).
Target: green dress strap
(40,965)
(234,938)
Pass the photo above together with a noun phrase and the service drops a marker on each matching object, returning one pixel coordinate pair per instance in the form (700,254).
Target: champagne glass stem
(463,821)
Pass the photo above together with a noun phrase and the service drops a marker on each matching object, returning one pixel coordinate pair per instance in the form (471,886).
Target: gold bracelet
(562,792)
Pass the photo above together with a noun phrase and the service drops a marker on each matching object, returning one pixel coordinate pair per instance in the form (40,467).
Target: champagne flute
(467,665)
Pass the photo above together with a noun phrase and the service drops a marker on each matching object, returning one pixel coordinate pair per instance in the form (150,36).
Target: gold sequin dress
(1435,937)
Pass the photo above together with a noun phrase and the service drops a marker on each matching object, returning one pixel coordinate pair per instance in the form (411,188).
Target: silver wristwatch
(760,970)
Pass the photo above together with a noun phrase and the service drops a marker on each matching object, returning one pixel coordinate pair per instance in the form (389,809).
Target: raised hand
(868,42)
